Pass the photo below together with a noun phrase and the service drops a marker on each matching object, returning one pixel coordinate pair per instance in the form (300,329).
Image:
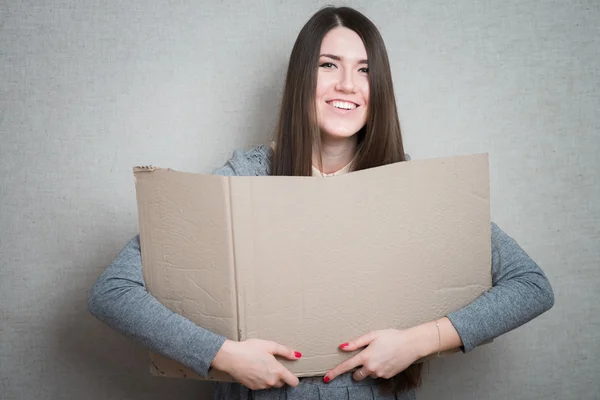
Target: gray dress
(119,297)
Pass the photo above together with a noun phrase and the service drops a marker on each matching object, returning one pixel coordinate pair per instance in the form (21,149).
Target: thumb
(357,343)
(284,351)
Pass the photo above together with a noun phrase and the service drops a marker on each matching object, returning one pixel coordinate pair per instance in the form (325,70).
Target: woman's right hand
(252,363)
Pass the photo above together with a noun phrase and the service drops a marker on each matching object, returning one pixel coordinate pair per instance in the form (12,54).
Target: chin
(338,134)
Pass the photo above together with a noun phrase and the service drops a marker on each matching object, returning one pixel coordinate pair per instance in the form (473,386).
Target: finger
(360,374)
(344,367)
(288,377)
(279,384)
(284,351)
(357,343)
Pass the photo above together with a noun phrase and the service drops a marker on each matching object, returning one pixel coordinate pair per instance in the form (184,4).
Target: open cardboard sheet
(313,262)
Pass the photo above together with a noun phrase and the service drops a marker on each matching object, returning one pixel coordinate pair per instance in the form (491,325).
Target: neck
(335,154)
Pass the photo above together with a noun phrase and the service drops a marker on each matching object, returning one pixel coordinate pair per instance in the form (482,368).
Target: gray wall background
(90,89)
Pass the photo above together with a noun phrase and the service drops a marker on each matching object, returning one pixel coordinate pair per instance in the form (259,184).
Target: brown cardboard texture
(314,262)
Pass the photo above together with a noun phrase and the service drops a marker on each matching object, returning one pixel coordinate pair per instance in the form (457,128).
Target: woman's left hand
(387,353)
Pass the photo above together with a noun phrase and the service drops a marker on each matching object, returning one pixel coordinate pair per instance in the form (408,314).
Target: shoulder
(252,162)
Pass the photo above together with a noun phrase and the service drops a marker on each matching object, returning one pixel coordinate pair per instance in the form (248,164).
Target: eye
(327,65)
(364,70)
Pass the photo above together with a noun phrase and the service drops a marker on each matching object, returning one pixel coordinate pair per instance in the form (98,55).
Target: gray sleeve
(520,292)
(243,163)
(226,170)
(120,299)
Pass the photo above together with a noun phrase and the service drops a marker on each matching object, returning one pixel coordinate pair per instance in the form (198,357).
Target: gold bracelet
(437,325)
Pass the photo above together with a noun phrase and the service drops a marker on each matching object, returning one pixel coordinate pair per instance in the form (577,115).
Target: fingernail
(326,379)
(343,346)
(297,354)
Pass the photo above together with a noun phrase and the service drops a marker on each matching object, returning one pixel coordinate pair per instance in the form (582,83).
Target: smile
(342,105)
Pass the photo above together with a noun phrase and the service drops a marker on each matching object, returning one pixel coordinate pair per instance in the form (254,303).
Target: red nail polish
(326,379)
(297,354)
(343,346)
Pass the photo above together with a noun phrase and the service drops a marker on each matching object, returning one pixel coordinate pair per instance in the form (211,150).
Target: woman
(338,114)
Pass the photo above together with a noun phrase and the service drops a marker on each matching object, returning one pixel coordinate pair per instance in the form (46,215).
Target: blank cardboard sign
(313,262)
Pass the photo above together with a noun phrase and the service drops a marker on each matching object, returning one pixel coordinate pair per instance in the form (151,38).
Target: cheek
(325,82)
(320,91)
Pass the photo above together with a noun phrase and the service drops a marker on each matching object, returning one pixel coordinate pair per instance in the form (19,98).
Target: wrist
(220,361)
(426,339)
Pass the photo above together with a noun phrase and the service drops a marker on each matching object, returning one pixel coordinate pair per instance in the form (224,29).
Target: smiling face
(342,94)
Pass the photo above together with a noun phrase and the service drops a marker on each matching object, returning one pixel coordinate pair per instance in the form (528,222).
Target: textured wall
(90,89)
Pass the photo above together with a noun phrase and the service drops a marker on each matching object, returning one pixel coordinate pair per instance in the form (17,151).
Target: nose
(346,82)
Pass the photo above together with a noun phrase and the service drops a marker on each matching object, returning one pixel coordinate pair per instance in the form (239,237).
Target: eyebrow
(338,58)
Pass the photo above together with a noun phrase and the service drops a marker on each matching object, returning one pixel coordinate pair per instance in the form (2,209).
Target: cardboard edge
(483,155)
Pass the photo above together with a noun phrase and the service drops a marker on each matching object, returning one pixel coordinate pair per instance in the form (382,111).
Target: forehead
(345,43)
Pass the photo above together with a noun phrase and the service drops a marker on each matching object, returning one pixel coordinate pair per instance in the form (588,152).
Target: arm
(120,299)
(520,292)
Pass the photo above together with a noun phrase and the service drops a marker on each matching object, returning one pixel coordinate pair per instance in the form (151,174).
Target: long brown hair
(297,132)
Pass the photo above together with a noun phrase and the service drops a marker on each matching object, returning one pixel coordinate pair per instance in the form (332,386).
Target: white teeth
(343,104)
